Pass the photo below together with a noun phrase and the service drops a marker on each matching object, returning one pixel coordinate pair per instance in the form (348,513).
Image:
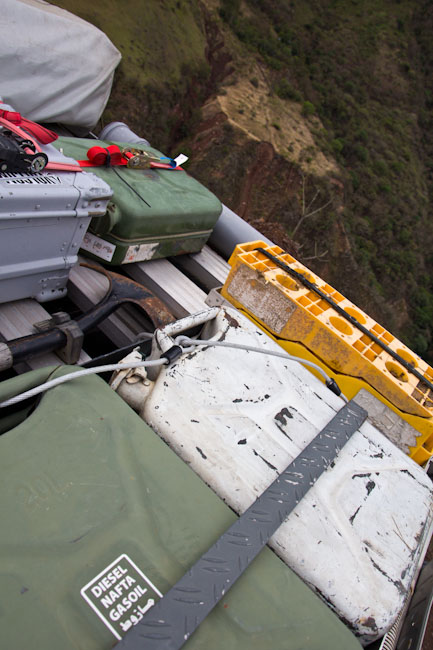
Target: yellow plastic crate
(292,312)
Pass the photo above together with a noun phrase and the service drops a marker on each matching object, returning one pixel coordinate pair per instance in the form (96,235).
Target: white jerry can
(238,418)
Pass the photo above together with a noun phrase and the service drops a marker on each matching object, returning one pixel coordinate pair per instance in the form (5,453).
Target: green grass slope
(163,51)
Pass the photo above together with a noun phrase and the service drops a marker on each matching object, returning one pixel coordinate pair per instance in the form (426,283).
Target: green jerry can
(153,213)
(100,518)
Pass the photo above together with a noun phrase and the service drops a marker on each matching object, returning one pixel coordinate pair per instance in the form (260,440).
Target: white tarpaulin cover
(55,67)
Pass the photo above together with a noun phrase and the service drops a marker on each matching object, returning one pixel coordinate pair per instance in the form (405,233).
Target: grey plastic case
(43,219)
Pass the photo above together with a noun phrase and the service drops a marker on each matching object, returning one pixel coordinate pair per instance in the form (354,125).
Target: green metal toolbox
(154,213)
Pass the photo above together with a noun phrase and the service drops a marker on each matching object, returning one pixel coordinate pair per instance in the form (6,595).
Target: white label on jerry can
(140,252)
(99,247)
(120,595)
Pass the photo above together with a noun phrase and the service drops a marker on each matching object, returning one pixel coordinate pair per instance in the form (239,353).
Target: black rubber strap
(108,158)
(169,624)
(313,287)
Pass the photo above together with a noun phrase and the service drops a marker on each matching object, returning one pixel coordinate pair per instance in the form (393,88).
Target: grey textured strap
(169,624)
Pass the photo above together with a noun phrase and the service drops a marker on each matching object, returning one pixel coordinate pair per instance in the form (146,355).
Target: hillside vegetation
(311,119)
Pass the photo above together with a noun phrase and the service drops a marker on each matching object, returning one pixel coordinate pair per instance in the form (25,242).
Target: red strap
(101,156)
(12,116)
(112,156)
(98,156)
(45,136)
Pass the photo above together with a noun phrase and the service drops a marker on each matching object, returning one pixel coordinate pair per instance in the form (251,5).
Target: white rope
(182,340)
(80,373)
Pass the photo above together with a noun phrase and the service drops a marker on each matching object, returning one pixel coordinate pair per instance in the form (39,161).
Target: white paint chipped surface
(239,418)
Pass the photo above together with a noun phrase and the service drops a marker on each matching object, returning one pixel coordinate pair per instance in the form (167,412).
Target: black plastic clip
(332,385)
(173,353)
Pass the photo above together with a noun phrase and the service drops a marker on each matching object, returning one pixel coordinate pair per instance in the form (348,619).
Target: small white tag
(99,247)
(180,159)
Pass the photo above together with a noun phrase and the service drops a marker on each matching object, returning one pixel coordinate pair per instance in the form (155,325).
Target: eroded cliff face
(259,155)
(264,156)
(255,151)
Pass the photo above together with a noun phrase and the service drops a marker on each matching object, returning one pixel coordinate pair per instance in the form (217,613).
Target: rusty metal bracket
(123,290)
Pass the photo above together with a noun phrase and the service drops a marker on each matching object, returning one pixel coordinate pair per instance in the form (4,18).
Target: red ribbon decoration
(43,135)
